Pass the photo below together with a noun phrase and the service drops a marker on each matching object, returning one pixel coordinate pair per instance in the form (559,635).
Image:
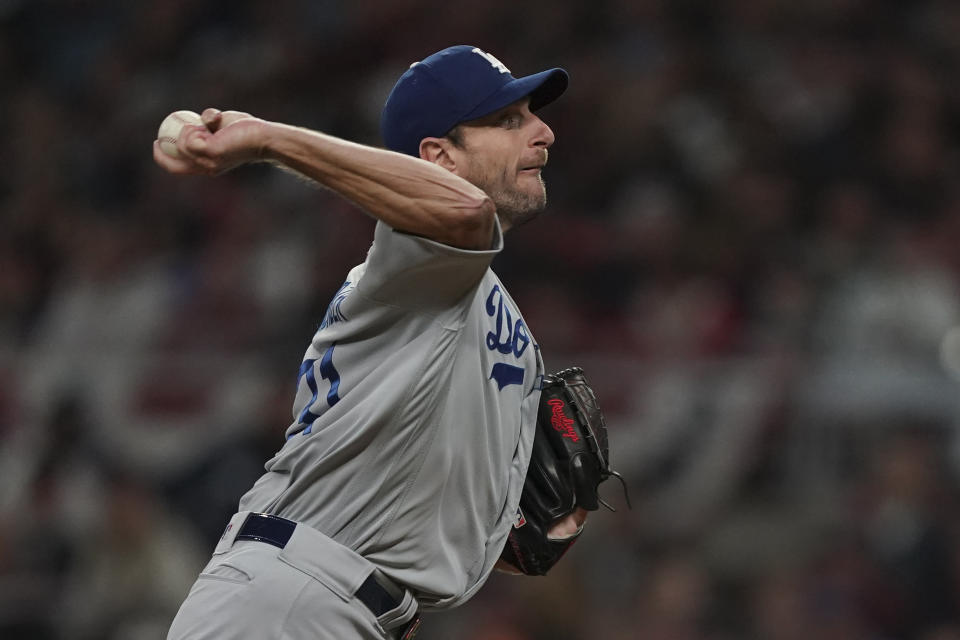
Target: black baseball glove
(569,461)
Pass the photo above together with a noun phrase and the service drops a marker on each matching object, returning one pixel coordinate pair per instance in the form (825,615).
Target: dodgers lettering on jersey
(508,336)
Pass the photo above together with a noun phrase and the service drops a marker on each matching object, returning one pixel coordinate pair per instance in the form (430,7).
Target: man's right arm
(406,193)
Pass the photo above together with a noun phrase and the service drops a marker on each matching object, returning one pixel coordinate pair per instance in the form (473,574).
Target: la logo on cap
(496,64)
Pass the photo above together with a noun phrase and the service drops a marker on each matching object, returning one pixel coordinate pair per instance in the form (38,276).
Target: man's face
(503,153)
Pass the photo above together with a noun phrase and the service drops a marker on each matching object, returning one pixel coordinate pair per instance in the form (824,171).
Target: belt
(275,530)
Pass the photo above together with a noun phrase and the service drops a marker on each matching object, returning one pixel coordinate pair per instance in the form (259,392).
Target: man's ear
(437,151)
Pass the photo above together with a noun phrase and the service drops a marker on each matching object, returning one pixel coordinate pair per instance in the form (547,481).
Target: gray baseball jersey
(414,418)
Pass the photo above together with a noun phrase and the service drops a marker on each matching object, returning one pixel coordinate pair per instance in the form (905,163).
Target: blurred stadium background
(751,247)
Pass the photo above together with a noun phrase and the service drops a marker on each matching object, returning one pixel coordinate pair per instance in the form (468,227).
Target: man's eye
(510,121)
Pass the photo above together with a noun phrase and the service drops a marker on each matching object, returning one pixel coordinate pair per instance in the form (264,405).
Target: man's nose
(543,134)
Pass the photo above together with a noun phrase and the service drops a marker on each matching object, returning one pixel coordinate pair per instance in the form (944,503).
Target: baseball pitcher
(427,444)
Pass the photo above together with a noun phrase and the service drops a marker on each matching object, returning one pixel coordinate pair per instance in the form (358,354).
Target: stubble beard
(516,206)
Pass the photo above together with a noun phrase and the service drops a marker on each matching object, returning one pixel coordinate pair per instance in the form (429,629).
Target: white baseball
(170,130)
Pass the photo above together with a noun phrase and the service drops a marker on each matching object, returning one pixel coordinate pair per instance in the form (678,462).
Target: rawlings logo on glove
(568,463)
(560,421)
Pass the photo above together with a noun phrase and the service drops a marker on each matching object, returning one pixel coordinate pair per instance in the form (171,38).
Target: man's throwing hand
(224,140)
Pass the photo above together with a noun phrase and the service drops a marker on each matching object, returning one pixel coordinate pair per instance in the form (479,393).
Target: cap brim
(543,88)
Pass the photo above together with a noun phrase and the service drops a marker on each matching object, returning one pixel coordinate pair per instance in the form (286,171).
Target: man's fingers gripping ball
(212,119)
(170,129)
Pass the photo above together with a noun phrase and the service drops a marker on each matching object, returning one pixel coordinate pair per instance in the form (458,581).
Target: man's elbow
(474,224)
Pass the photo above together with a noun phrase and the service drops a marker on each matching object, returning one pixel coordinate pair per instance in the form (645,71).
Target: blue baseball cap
(454,85)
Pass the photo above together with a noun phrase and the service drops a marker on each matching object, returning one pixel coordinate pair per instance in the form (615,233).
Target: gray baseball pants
(306,590)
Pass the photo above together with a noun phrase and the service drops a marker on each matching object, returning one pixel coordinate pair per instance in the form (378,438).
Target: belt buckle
(411,628)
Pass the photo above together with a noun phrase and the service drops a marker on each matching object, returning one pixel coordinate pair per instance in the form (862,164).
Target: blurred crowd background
(751,246)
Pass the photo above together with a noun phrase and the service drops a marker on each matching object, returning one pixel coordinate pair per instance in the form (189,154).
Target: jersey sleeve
(411,271)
